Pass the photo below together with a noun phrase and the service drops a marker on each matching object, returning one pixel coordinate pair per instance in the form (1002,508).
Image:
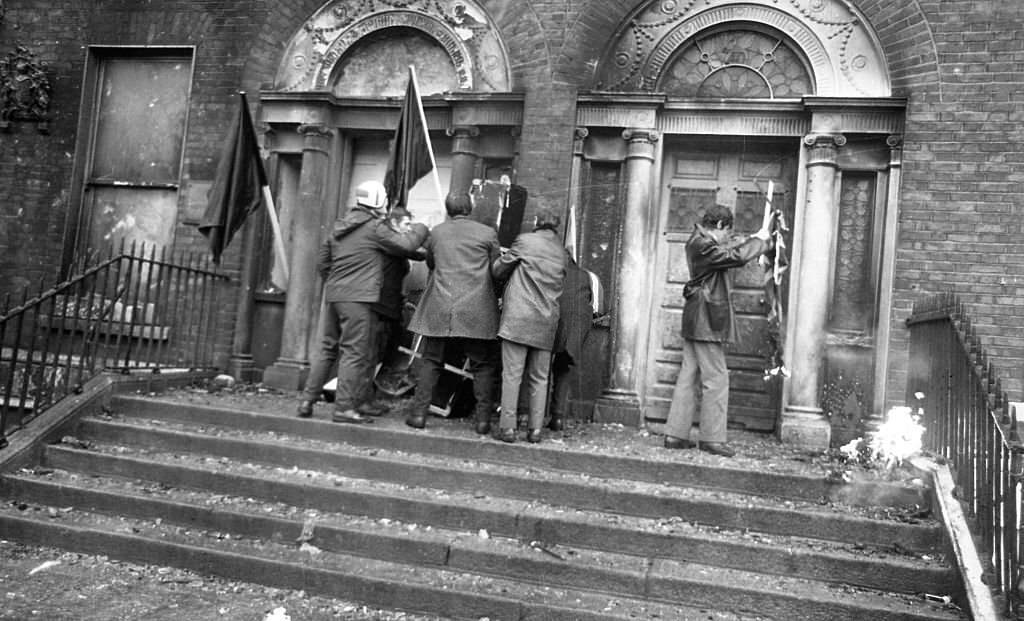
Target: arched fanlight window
(378,65)
(737,63)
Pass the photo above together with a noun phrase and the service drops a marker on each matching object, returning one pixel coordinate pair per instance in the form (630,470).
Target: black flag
(237,189)
(411,157)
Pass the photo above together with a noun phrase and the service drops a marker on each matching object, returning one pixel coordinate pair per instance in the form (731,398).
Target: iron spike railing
(968,421)
(124,313)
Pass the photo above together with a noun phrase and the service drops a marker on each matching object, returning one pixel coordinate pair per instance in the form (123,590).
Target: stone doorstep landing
(661,468)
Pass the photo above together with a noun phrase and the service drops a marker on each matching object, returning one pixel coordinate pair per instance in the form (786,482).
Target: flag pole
(268,201)
(275,226)
(426,133)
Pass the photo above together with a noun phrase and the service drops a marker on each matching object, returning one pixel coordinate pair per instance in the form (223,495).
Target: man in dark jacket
(351,263)
(458,308)
(707,326)
(575,318)
(535,269)
(394,269)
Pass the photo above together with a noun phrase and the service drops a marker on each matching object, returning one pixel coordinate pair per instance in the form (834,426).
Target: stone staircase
(446,523)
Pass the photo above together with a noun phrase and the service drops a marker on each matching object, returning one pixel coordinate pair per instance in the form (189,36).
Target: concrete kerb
(26,444)
(977,595)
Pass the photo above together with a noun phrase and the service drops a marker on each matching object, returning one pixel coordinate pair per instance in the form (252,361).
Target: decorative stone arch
(843,54)
(461,27)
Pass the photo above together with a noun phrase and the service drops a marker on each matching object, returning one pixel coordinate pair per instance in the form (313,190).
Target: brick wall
(961,208)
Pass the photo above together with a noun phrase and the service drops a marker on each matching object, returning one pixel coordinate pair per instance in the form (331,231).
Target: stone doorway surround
(312,115)
(849,95)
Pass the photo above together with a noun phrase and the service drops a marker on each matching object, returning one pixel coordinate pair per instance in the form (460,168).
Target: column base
(805,427)
(618,407)
(240,367)
(286,375)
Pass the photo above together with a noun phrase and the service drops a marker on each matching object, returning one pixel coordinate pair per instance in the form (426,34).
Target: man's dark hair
(458,205)
(716,214)
(547,218)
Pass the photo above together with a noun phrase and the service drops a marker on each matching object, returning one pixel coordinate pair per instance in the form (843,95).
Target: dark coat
(709,302)
(351,260)
(459,299)
(535,269)
(576,311)
(393,272)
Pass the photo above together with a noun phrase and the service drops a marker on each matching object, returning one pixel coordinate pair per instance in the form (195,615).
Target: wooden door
(695,176)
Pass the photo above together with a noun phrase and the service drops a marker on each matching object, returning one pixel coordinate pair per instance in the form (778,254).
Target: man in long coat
(351,263)
(575,319)
(707,327)
(458,308)
(535,269)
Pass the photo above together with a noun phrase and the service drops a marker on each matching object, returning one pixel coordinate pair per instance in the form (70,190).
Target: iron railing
(968,422)
(133,310)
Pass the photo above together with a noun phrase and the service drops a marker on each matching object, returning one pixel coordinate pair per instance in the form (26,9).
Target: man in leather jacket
(707,327)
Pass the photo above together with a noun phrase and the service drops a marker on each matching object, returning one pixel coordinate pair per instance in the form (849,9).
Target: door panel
(695,176)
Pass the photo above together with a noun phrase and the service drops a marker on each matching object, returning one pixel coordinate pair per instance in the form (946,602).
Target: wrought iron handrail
(968,422)
(133,310)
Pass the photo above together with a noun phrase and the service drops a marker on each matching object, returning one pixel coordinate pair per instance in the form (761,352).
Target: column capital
(823,148)
(649,136)
(315,137)
(463,131)
(641,143)
(313,129)
(463,139)
(264,138)
(895,144)
(579,136)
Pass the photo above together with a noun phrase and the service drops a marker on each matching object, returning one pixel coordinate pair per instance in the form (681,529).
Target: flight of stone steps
(446,523)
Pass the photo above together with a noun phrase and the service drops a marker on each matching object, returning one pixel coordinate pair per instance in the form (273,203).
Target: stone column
(464,157)
(620,401)
(575,173)
(885,282)
(240,365)
(803,421)
(290,370)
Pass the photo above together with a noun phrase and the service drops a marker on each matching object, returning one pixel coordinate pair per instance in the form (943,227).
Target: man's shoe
(556,424)
(416,421)
(483,428)
(507,435)
(717,448)
(672,442)
(350,416)
(373,408)
(305,409)
(533,437)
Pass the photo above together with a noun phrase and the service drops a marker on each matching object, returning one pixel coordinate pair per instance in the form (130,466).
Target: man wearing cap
(351,263)
(458,309)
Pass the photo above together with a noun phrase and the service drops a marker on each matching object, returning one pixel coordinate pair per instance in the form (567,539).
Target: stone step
(414,588)
(154,511)
(577,490)
(473,511)
(657,466)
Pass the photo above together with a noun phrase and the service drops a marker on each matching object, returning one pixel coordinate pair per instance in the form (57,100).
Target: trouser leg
(538,365)
(513,361)
(326,356)
(684,395)
(480,353)
(355,354)
(561,369)
(714,405)
(428,370)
